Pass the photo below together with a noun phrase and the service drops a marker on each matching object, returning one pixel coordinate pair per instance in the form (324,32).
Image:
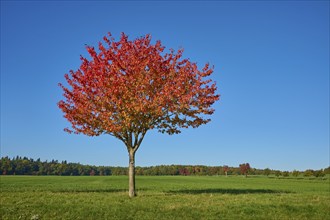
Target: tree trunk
(131,174)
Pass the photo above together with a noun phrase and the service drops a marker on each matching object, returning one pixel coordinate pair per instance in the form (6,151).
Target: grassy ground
(53,197)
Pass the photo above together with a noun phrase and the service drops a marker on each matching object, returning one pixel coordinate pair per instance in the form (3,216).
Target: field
(163,197)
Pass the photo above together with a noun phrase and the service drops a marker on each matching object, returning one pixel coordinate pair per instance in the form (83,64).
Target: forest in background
(28,166)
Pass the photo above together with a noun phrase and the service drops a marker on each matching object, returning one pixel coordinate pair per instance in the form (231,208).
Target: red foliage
(130,87)
(245,168)
(184,172)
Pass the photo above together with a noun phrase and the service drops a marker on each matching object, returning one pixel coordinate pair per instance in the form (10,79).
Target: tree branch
(136,147)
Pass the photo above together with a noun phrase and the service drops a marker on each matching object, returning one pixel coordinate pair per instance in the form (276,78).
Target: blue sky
(271,63)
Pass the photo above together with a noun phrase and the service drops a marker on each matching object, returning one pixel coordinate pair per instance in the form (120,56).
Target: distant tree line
(28,166)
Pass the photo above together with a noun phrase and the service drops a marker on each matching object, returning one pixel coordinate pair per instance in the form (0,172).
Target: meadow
(163,197)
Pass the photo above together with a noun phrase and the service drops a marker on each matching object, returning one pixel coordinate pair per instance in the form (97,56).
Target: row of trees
(28,166)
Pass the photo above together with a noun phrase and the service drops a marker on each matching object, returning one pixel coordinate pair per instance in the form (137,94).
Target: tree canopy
(130,87)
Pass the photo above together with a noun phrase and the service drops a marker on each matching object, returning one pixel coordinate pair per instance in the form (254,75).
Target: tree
(295,173)
(130,87)
(319,173)
(278,173)
(267,171)
(309,173)
(285,173)
(245,167)
(225,170)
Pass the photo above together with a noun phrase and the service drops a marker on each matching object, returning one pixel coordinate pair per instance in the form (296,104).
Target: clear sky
(271,63)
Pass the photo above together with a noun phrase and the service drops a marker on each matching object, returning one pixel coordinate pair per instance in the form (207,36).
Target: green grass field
(163,197)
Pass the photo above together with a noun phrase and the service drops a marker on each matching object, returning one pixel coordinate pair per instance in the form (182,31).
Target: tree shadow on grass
(227,191)
(89,190)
